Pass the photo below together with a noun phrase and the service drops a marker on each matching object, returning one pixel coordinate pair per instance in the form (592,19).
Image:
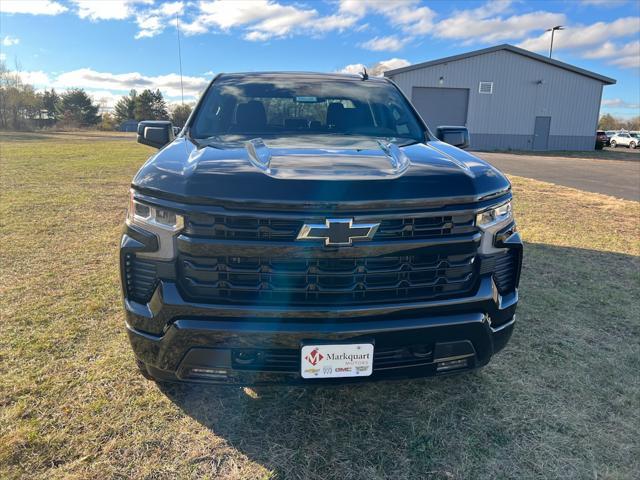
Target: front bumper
(202,342)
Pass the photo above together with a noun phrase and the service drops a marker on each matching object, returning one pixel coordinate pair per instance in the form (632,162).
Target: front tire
(614,144)
(632,145)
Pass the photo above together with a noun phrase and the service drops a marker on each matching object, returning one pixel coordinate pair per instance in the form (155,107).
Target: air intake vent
(505,272)
(486,87)
(140,277)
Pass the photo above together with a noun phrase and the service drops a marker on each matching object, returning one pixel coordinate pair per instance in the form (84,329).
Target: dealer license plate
(337,360)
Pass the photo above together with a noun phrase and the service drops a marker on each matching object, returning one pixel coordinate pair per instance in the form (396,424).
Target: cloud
(152,24)
(409,15)
(624,56)
(632,61)
(36,78)
(585,36)
(151,19)
(107,9)
(9,41)
(376,69)
(169,84)
(381,44)
(260,19)
(3,57)
(619,103)
(33,7)
(488,24)
(606,3)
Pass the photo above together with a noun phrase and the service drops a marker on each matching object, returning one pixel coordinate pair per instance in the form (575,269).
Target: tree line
(609,122)
(149,105)
(24,108)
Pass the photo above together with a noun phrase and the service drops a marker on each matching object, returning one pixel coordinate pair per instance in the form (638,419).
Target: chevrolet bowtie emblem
(338,231)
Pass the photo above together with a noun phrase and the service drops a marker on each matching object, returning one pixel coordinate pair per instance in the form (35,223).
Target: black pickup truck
(309,228)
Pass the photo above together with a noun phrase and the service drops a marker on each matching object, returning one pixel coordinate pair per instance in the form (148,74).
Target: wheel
(614,144)
(632,144)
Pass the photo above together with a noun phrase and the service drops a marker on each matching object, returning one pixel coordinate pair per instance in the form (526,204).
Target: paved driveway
(618,178)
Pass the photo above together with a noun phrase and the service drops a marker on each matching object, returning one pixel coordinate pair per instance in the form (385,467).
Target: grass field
(562,401)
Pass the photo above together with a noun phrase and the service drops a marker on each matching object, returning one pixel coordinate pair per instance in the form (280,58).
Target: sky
(111,46)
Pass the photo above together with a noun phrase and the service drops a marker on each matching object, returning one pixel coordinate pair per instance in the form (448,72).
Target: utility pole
(553,30)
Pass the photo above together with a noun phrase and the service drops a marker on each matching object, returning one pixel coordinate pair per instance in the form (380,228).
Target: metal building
(508,98)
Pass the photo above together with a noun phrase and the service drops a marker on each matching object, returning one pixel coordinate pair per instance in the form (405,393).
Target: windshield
(263,106)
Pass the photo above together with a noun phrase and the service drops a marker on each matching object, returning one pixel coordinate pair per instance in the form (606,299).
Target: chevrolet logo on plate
(338,231)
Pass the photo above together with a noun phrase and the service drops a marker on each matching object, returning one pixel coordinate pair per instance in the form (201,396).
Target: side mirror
(456,136)
(155,133)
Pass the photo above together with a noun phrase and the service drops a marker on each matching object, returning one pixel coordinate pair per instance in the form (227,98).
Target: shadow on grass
(541,394)
(24,137)
(90,135)
(350,431)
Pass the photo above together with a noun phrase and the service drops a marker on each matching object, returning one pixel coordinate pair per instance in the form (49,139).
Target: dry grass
(560,402)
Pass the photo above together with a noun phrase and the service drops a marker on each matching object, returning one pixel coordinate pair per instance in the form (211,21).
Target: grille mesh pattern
(326,281)
(250,228)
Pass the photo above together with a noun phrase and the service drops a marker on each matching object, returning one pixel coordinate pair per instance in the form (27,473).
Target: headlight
(147,215)
(165,224)
(494,216)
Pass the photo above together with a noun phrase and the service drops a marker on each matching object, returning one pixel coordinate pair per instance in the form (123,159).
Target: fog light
(246,357)
(209,372)
(451,365)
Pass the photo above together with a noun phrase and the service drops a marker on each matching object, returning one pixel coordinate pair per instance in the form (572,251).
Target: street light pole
(553,30)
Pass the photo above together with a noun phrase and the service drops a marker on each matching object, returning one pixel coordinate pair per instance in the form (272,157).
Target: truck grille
(327,281)
(269,229)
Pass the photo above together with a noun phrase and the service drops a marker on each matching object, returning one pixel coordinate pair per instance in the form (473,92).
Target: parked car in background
(601,140)
(611,133)
(625,139)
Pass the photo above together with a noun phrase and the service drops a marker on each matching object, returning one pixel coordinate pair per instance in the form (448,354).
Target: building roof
(510,48)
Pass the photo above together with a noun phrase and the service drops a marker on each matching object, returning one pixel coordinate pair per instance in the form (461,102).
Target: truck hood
(317,170)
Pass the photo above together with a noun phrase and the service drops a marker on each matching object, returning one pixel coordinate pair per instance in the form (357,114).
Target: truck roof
(302,75)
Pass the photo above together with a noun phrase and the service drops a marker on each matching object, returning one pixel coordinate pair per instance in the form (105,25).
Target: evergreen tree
(159,106)
(150,105)
(125,109)
(77,108)
(51,103)
(144,106)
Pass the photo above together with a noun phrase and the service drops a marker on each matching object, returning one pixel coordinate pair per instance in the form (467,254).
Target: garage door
(441,106)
